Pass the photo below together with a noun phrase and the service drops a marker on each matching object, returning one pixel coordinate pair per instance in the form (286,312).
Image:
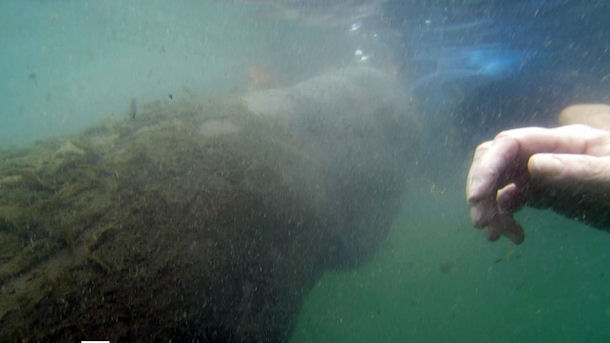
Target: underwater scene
(300,171)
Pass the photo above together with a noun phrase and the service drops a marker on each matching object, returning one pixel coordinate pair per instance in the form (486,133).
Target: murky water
(438,279)
(462,69)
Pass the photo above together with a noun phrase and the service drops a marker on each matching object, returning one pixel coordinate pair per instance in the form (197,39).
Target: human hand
(543,167)
(594,115)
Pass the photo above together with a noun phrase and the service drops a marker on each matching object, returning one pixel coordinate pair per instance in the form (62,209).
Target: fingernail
(479,216)
(492,233)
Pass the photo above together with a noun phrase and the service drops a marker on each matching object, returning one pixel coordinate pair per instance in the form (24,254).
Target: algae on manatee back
(198,220)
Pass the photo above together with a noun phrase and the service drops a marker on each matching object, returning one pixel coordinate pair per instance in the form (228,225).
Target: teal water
(437,279)
(65,64)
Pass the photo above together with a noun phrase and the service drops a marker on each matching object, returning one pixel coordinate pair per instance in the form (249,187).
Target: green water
(437,279)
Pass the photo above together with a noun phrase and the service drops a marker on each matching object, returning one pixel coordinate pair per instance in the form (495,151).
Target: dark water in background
(498,64)
(474,67)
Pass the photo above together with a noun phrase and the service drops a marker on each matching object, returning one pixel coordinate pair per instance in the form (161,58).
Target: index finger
(490,161)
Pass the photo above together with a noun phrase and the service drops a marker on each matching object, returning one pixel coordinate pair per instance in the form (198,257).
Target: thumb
(583,171)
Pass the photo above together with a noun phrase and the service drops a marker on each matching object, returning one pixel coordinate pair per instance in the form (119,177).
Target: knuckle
(481,148)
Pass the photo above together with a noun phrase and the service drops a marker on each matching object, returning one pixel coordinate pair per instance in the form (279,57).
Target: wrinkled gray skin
(356,117)
(232,213)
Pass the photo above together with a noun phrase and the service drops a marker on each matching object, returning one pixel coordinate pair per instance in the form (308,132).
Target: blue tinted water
(500,64)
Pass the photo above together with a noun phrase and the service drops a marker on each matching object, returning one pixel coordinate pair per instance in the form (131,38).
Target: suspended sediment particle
(133,108)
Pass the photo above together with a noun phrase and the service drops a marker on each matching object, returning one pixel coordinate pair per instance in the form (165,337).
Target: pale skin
(565,168)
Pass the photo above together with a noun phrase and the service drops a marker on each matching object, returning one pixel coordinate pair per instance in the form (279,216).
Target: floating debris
(133,108)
